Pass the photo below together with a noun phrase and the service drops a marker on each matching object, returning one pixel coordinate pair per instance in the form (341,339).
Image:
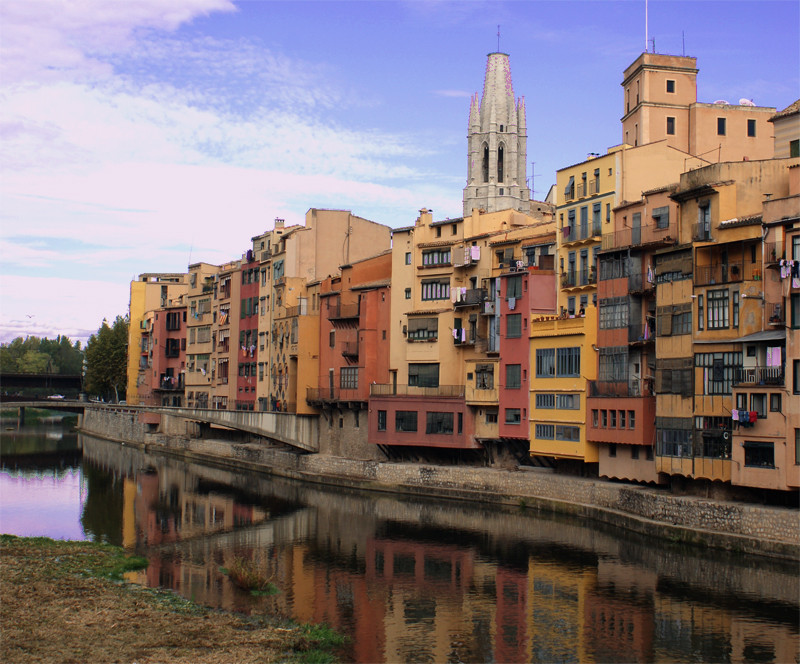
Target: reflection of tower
(497,144)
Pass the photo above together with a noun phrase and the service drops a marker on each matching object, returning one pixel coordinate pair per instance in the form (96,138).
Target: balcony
(649,235)
(579,278)
(773,253)
(642,387)
(467,338)
(471,298)
(350,349)
(170,383)
(453,391)
(329,394)
(641,283)
(701,232)
(640,333)
(725,273)
(776,315)
(343,312)
(760,375)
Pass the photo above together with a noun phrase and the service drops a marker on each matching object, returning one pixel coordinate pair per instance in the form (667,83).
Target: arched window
(500,164)
(485,165)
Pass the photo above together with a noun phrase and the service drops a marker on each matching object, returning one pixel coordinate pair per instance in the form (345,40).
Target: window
(718,309)
(670,126)
(546,368)
(513,374)
(423,375)
(670,85)
(435,290)
(796,376)
(491,417)
(484,376)
(408,293)
(622,419)
(604,418)
(797,447)
(514,287)
(794,304)
(514,326)
(758,403)
(661,217)
(758,454)
(381,420)
(568,401)
(775,402)
(612,449)
(568,361)
(634,452)
(331,338)
(405,420)
(751,128)
(436,257)
(422,329)
(348,378)
(441,423)
(513,416)
(545,431)
(612,419)
(631,419)
(545,400)
(568,433)
(595,418)
(720,126)
(700,310)
(718,370)
(613,313)
(408,258)
(613,364)
(794,148)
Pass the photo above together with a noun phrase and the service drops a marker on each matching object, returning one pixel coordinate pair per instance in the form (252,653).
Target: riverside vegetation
(66,602)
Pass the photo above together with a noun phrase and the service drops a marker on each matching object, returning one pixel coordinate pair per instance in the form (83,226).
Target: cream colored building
(198,381)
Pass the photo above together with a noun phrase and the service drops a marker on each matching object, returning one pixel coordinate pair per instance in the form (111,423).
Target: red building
(247,379)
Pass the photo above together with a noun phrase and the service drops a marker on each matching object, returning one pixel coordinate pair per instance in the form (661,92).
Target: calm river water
(408,580)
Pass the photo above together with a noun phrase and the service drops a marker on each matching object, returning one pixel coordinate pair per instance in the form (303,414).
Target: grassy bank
(65,602)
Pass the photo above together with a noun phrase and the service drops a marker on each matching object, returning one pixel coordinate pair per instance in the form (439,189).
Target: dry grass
(59,602)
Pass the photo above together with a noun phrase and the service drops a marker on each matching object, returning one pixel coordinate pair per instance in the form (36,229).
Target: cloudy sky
(144,135)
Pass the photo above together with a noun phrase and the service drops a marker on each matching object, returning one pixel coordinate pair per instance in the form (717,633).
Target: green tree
(35,355)
(107,360)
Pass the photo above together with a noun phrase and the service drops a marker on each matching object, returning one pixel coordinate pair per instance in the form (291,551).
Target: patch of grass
(316,644)
(248,575)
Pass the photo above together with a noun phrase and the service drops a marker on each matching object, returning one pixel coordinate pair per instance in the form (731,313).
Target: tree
(35,355)
(107,360)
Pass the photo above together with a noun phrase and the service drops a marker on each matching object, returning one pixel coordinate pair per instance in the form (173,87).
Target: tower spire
(497,143)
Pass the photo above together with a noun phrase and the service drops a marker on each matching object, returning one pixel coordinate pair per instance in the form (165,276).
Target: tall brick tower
(497,144)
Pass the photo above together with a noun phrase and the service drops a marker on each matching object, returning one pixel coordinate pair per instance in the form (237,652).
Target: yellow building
(150,291)
(198,381)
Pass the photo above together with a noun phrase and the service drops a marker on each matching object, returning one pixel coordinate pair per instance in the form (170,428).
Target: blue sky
(140,136)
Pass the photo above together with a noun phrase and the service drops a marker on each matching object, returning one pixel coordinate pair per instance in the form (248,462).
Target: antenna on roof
(646,40)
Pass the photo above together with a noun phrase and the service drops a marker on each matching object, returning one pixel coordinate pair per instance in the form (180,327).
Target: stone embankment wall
(743,527)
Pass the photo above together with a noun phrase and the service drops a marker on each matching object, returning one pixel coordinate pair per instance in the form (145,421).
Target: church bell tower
(497,144)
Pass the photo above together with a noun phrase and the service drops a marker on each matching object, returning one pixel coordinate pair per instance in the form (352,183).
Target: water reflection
(440,582)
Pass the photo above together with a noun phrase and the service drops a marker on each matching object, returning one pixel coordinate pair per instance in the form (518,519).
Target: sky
(146,135)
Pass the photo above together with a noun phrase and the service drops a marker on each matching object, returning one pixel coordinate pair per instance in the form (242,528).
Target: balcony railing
(760,375)
(641,387)
(350,349)
(471,298)
(775,312)
(701,232)
(640,332)
(171,383)
(636,237)
(773,252)
(415,390)
(579,278)
(318,394)
(706,275)
(342,311)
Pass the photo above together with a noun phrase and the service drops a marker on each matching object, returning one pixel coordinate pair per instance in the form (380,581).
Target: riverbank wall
(748,528)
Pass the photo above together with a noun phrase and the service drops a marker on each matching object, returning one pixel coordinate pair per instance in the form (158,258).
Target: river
(408,580)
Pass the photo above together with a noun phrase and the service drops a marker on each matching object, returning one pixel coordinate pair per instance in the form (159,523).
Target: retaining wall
(750,528)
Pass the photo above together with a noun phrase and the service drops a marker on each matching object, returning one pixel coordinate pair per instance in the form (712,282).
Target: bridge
(301,433)
(49,382)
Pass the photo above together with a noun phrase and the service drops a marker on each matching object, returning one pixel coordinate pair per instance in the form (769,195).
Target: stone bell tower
(497,144)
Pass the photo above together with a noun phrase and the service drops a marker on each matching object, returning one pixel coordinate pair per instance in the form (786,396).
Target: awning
(766,335)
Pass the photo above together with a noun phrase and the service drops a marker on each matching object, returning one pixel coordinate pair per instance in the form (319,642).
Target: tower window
(500,164)
(501,128)
(670,125)
(670,85)
(485,164)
